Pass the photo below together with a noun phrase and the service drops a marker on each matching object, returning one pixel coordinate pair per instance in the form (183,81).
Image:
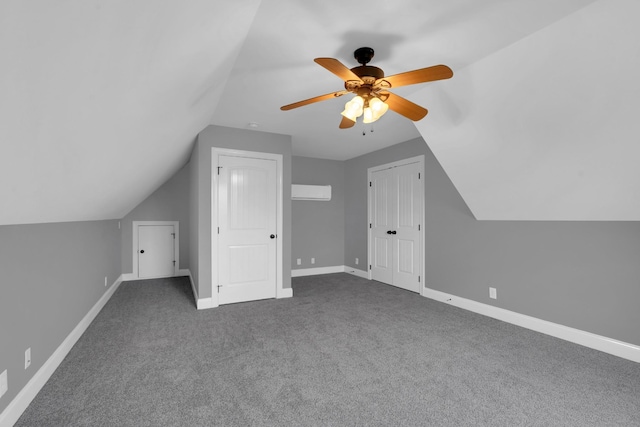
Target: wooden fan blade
(346,123)
(405,107)
(312,100)
(338,68)
(423,75)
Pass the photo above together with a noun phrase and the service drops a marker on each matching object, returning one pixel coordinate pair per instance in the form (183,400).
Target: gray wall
(579,274)
(318,226)
(192,232)
(170,202)
(52,275)
(200,183)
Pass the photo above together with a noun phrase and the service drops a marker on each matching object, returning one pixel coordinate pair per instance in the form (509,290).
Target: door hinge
(219,167)
(369,225)
(174,235)
(369,266)
(369,183)
(218,230)
(174,262)
(418,279)
(219,286)
(418,175)
(418,227)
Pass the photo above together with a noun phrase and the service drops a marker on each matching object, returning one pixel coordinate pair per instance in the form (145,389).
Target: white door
(247,227)
(381,225)
(406,227)
(156,251)
(395,217)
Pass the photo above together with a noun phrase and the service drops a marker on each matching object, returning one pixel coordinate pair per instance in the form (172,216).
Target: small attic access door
(155,249)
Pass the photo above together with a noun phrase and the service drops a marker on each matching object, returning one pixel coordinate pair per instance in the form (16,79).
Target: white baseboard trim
(328,270)
(126,277)
(284,293)
(356,272)
(318,270)
(201,303)
(184,272)
(577,336)
(187,272)
(20,403)
(204,303)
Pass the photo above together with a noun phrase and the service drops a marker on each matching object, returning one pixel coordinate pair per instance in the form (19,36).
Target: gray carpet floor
(342,352)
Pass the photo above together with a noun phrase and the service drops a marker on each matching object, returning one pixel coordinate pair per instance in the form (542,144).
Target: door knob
(393,232)
(389,232)
(141,251)
(273,236)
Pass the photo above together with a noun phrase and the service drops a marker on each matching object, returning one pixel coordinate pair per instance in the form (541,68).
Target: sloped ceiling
(547,128)
(101,100)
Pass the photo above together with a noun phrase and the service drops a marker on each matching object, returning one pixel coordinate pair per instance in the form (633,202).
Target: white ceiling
(101,100)
(275,65)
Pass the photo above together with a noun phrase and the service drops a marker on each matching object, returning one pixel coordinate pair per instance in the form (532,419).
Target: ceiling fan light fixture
(374,110)
(370,85)
(353,109)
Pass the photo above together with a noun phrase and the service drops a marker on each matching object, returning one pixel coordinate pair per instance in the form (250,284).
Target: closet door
(407,211)
(381,222)
(395,214)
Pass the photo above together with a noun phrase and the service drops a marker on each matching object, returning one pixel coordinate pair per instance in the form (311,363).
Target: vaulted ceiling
(101,101)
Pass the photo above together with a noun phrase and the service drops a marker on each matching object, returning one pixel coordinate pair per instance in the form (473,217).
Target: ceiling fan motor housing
(368,71)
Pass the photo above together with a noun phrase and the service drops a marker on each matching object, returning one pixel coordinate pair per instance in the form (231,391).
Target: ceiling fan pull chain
(364,131)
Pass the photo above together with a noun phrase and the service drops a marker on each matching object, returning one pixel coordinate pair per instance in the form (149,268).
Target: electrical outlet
(313,260)
(298,261)
(4,386)
(27,358)
(357,260)
(493,294)
(105,280)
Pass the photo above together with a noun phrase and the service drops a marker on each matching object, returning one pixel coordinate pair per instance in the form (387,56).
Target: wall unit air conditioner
(310,192)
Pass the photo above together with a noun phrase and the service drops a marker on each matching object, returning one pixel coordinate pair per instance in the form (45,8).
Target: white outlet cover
(3,383)
(493,293)
(27,358)
(313,260)
(299,261)
(357,260)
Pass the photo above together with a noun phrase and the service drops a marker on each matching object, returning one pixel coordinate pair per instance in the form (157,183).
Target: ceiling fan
(370,86)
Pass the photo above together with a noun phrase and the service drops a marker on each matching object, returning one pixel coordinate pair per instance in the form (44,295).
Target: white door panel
(248,263)
(247,218)
(408,211)
(381,223)
(156,253)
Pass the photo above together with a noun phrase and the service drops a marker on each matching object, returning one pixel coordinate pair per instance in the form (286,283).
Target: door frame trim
(279,158)
(176,244)
(403,162)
